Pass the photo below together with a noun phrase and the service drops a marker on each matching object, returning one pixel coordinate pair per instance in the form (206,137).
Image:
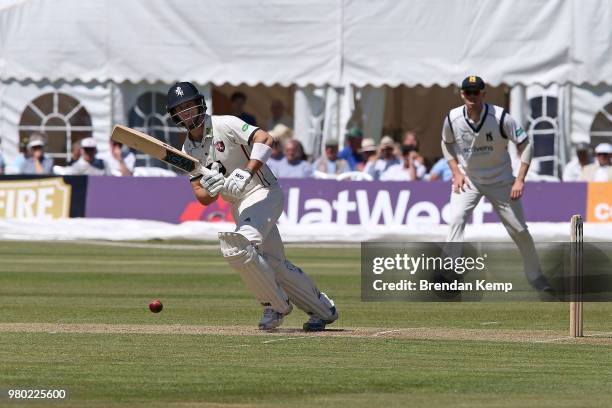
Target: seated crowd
(392,161)
(360,159)
(363,158)
(84,159)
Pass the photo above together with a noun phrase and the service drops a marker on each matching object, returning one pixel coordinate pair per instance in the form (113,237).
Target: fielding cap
(473,82)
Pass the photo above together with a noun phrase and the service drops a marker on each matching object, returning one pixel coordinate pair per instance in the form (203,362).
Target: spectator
(281,133)
(277,152)
(2,161)
(277,110)
(410,139)
(238,100)
(88,164)
(35,161)
(601,169)
(330,163)
(75,152)
(368,151)
(441,171)
(386,158)
(119,162)
(351,153)
(293,164)
(410,169)
(21,157)
(573,169)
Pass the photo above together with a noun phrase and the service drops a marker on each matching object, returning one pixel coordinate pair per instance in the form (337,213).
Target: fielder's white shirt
(229,141)
(482,148)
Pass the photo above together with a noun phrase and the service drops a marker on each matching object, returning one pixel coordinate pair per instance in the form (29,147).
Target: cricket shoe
(541,284)
(443,278)
(546,292)
(271,319)
(316,323)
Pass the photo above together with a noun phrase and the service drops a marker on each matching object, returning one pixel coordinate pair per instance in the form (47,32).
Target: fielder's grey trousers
(462,204)
(509,211)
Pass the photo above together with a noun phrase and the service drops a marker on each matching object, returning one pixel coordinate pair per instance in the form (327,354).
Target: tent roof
(307,42)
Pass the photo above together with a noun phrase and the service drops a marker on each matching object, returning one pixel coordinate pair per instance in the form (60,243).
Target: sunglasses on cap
(472,92)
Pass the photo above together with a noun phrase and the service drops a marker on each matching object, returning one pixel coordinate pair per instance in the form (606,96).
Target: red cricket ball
(156,306)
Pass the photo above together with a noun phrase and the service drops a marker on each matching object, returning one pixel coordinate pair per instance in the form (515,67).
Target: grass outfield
(88,287)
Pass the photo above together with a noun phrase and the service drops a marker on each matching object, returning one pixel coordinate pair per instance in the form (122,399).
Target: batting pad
(254,270)
(302,290)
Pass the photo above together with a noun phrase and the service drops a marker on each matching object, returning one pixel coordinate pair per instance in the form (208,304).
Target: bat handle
(205,171)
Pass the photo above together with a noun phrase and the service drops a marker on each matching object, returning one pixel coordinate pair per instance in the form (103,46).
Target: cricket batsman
(235,154)
(475,138)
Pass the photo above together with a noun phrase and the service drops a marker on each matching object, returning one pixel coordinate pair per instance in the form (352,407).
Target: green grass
(70,283)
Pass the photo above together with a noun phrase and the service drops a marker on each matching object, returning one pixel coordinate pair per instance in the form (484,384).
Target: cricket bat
(154,147)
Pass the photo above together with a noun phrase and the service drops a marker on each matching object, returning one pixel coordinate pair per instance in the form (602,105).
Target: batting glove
(237,181)
(212,182)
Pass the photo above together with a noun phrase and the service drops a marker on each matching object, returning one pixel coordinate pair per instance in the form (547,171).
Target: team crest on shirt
(220,146)
(467,137)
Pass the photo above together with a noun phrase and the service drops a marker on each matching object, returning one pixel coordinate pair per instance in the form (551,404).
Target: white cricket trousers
(462,204)
(509,211)
(256,216)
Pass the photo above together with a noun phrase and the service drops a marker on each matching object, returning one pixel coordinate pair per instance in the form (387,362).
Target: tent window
(61,117)
(601,128)
(544,128)
(149,116)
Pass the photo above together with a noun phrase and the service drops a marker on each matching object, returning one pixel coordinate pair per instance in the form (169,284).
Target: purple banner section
(393,203)
(145,198)
(311,201)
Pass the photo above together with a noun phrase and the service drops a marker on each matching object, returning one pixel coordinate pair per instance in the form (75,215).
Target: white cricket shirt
(482,148)
(229,141)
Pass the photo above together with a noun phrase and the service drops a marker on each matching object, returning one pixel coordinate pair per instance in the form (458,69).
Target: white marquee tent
(103,51)
(319,42)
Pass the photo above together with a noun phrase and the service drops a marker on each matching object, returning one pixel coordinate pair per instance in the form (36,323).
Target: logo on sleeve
(220,146)
(245,127)
(519,132)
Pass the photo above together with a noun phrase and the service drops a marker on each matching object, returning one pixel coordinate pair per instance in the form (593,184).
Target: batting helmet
(180,93)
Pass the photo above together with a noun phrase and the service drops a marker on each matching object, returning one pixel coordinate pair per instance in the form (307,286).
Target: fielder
(475,138)
(237,152)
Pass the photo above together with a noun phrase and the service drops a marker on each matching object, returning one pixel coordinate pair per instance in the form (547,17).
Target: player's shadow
(295,330)
(596,285)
